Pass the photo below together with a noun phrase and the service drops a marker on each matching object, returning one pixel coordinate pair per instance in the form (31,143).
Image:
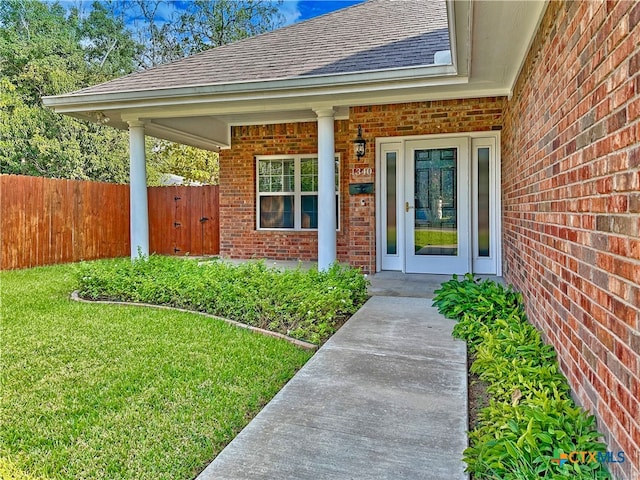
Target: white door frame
(399,145)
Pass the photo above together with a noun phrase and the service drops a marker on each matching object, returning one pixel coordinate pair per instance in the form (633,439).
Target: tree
(193,164)
(169,35)
(37,141)
(46,49)
(209,24)
(41,54)
(108,47)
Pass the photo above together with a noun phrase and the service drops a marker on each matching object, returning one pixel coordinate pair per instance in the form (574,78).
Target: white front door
(439,204)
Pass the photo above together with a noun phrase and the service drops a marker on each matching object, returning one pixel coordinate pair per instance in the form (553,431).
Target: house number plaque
(362,173)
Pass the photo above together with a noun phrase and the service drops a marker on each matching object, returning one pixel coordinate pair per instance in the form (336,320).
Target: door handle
(407,207)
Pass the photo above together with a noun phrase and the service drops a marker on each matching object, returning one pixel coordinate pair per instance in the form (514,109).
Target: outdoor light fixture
(359,144)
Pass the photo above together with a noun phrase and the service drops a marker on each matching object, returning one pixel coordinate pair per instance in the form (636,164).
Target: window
(287,189)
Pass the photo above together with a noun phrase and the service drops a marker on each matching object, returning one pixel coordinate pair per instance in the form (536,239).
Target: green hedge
(305,304)
(531,417)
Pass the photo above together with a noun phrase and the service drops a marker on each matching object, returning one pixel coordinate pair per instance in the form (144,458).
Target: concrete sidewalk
(385,398)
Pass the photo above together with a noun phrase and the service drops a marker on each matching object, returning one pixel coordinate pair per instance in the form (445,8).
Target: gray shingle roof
(375,35)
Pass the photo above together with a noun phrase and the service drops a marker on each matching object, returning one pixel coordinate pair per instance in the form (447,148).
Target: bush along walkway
(304,304)
(531,426)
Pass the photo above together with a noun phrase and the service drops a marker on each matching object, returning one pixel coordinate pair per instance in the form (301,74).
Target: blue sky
(313,8)
(293,10)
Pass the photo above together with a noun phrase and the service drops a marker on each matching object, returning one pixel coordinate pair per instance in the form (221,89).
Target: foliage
(309,305)
(47,49)
(200,25)
(119,392)
(107,45)
(42,54)
(531,416)
(193,164)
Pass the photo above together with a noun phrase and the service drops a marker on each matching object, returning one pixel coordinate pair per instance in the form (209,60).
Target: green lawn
(118,392)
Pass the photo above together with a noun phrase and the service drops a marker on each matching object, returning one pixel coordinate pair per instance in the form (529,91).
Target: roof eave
(438,74)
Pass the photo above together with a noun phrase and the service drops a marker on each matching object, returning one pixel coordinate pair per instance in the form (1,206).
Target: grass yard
(119,392)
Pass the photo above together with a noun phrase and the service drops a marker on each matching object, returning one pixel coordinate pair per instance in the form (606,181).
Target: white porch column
(326,190)
(139,209)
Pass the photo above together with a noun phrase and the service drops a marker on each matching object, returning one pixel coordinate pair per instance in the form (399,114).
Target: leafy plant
(309,305)
(531,415)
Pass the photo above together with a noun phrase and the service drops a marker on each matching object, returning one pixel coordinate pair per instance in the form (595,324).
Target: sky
(292,10)
(305,9)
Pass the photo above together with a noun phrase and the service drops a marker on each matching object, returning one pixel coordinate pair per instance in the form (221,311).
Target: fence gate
(184,220)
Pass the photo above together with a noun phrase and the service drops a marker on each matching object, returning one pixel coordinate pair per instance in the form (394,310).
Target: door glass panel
(392,233)
(483,202)
(435,198)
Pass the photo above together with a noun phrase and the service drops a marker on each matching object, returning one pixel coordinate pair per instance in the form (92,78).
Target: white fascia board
(459,16)
(437,74)
(191,96)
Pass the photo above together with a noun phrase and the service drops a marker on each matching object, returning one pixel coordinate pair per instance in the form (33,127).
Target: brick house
(501,138)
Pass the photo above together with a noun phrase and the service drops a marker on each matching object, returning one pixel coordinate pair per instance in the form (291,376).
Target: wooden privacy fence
(46,221)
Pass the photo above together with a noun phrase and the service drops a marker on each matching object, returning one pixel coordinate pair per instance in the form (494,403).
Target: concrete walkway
(385,398)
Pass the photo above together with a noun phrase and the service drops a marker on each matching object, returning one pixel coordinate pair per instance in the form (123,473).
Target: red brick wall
(571,183)
(239,237)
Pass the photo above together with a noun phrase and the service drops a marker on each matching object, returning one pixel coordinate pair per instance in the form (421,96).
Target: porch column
(326,190)
(139,209)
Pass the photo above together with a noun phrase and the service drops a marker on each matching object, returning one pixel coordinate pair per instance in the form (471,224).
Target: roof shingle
(375,35)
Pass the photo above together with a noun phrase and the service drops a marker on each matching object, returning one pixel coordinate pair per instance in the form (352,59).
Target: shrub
(530,417)
(309,305)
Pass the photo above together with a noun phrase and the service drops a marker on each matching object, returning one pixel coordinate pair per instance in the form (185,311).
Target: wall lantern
(359,144)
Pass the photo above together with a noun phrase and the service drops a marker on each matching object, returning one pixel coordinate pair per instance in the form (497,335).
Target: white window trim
(297,193)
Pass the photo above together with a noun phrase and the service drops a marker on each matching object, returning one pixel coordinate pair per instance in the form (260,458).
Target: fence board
(161,215)
(194,213)
(211,227)
(46,221)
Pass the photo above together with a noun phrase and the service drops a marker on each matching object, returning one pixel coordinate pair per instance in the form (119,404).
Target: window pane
(483,202)
(276,176)
(391,204)
(276,212)
(263,168)
(288,183)
(309,211)
(309,174)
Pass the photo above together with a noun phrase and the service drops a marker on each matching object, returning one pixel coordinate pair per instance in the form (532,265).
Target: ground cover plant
(305,304)
(531,418)
(117,392)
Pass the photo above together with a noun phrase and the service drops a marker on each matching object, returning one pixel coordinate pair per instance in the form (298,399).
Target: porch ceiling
(489,41)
